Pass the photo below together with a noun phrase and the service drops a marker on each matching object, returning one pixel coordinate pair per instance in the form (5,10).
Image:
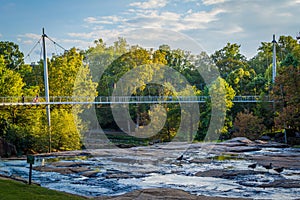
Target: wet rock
(61,170)
(62,154)
(235,148)
(238,140)
(242,144)
(273,145)
(286,161)
(123,175)
(68,164)
(53,169)
(7,149)
(125,160)
(200,161)
(162,194)
(278,184)
(90,174)
(283,184)
(261,142)
(243,149)
(116,174)
(265,138)
(125,145)
(226,174)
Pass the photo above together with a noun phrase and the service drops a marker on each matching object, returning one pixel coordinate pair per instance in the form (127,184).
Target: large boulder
(7,149)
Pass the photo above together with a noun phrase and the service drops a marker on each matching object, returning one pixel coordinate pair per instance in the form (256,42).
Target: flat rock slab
(226,174)
(282,184)
(243,149)
(161,194)
(68,164)
(279,181)
(288,162)
(61,170)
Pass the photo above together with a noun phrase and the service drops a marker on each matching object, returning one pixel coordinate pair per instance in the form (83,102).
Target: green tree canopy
(12,55)
(229,59)
(11,83)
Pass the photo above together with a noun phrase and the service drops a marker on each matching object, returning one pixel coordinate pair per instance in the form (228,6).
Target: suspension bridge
(88,100)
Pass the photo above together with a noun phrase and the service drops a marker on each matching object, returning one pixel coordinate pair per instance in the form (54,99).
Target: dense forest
(102,69)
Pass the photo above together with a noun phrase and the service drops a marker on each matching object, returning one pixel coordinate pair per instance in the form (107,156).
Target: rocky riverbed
(173,171)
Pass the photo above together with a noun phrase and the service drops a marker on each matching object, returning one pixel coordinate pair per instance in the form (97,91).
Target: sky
(192,25)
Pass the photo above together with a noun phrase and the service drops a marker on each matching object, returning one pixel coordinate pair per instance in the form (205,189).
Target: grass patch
(14,190)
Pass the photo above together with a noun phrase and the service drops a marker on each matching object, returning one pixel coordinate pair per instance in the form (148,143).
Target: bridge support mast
(46,89)
(274,60)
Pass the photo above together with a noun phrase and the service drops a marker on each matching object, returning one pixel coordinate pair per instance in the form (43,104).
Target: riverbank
(17,189)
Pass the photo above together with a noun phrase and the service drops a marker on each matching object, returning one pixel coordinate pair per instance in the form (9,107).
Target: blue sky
(193,25)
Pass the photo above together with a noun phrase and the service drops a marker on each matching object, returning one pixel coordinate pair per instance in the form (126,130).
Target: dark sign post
(30,160)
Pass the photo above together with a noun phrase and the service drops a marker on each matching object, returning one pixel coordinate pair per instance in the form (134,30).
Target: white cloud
(29,42)
(111,19)
(154,37)
(293,2)
(76,43)
(232,30)
(87,38)
(174,21)
(91,20)
(82,35)
(213,24)
(286,14)
(103,20)
(30,36)
(203,17)
(212,2)
(150,4)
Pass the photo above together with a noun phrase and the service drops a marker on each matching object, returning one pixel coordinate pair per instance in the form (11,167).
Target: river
(204,169)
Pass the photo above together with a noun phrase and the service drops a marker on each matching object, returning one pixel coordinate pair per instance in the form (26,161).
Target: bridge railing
(123,99)
(151,98)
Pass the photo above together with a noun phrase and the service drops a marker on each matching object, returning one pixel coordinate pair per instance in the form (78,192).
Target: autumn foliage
(287,96)
(248,125)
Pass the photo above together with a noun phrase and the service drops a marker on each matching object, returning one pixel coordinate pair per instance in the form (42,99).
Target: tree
(217,107)
(248,125)
(286,92)
(229,59)
(70,76)
(290,60)
(11,83)
(12,55)
(63,70)
(263,59)
(288,45)
(65,136)
(257,86)
(101,56)
(240,79)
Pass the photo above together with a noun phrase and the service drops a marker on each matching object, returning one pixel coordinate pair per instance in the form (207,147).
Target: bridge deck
(67,100)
